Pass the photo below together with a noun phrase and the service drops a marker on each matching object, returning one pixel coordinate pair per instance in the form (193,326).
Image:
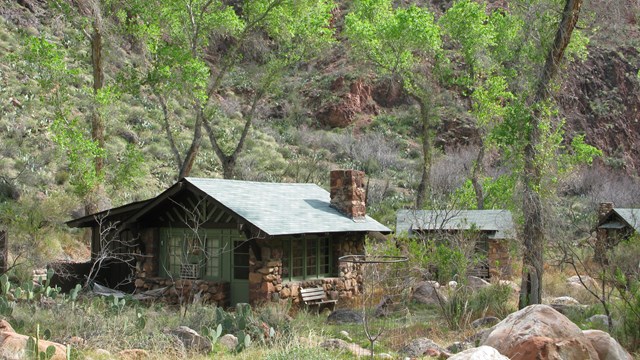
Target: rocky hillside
(342,115)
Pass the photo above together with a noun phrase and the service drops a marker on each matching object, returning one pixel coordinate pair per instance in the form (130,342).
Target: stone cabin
(230,241)
(615,225)
(492,231)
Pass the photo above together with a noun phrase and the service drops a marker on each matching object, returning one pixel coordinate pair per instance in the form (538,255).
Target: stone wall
(266,284)
(209,292)
(499,259)
(265,275)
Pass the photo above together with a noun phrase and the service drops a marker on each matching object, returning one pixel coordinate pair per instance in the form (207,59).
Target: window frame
(292,244)
(207,265)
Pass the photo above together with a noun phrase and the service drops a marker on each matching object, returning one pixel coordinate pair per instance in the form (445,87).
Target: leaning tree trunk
(476,176)
(192,153)
(532,267)
(93,198)
(425,179)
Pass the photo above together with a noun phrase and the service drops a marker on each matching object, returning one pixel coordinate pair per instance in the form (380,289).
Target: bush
(493,300)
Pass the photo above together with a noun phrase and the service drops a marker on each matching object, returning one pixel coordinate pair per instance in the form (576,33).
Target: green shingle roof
(630,216)
(497,222)
(283,208)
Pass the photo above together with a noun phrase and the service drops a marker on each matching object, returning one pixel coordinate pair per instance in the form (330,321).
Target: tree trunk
(476,177)
(97,127)
(229,161)
(93,200)
(194,148)
(425,179)
(532,266)
(167,130)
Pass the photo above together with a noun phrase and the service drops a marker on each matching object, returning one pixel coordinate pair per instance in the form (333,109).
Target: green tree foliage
(403,42)
(56,74)
(193,64)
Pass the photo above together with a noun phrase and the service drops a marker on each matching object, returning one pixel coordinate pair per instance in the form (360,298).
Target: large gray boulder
(479,353)
(345,316)
(339,344)
(606,346)
(427,292)
(539,332)
(475,282)
(423,347)
(191,340)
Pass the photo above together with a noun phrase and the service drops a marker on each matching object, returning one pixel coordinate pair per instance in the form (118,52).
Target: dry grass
(555,285)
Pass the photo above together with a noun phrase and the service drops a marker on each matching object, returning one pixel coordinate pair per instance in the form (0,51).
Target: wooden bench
(316,297)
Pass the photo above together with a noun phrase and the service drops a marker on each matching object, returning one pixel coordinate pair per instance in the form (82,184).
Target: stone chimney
(348,193)
(603,210)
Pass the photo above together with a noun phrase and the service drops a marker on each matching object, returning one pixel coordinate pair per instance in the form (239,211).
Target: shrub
(493,300)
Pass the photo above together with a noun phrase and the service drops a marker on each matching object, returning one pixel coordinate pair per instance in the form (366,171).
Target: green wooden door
(240,272)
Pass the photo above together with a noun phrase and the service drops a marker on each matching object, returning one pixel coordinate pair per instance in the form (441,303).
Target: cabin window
(191,254)
(303,259)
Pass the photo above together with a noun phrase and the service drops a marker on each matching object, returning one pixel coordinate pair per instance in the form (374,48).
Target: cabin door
(240,272)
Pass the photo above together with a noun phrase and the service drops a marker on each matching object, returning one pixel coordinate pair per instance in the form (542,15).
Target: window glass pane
(213,255)
(175,252)
(241,259)
(192,255)
(285,247)
(324,264)
(312,270)
(297,258)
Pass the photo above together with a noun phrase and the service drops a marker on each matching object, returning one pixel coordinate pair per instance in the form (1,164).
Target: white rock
(479,353)
(229,341)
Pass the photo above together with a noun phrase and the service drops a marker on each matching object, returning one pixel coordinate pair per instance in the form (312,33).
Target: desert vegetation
(529,106)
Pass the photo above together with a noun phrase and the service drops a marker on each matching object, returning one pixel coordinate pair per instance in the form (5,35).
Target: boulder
(475,282)
(564,300)
(574,282)
(539,332)
(423,347)
(426,292)
(485,322)
(229,341)
(191,340)
(479,353)
(384,306)
(606,346)
(13,345)
(345,316)
(338,344)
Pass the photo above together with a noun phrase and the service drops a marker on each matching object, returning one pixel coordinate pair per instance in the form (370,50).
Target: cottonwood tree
(196,50)
(533,231)
(401,42)
(65,91)
(480,38)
